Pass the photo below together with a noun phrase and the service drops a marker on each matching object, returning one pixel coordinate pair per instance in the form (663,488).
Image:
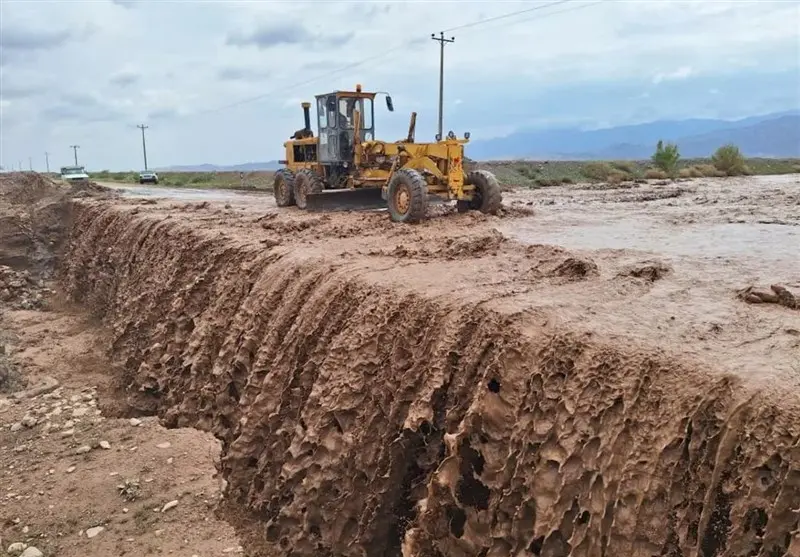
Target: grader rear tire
(283,188)
(306,182)
(408,196)
(487,197)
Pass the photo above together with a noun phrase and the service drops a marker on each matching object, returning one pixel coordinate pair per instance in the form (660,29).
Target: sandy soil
(77,479)
(577,376)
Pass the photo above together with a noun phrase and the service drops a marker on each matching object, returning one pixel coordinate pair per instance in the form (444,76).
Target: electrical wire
(505,16)
(394,49)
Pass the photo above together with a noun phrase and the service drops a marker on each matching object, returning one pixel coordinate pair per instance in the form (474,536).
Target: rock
(68,433)
(68,424)
(83,449)
(169,460)
(80,411)
(165,445)
(48,385)
(105,445)
(16,427)
(92,532)
(29,421)
(135,422)
(32,552)
(70,470)
(171,505)
(16,548)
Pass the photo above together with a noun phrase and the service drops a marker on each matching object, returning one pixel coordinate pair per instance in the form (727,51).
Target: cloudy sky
(221,81)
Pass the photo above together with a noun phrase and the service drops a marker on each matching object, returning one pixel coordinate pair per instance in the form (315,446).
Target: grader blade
(359,199)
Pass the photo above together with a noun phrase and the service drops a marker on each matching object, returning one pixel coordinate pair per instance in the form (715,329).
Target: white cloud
(86,72)
(681,73)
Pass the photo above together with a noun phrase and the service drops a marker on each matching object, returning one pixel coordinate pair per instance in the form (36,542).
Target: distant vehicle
(148,176)
(74,174)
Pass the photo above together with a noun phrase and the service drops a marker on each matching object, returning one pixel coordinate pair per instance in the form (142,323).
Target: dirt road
(577,376)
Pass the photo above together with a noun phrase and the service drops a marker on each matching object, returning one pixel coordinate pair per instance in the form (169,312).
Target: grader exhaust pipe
(307,116)
(412,127)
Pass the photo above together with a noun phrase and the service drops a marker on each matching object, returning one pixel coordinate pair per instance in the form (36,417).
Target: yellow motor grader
(345,167)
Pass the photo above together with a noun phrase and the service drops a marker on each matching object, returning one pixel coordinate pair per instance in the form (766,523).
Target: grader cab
(345,167)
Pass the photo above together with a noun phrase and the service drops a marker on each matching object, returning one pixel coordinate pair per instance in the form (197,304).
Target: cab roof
(357,93)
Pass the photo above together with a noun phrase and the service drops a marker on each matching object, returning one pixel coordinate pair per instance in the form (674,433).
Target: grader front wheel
(283,188)
(306,182)
(487,197)
(407,196)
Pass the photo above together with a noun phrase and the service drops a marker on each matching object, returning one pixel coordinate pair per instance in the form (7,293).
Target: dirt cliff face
(365,417)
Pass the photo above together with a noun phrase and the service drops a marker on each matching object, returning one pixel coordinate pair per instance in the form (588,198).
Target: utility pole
(75,151)
(442,42)
(30,163)
(144,146)
(47,161)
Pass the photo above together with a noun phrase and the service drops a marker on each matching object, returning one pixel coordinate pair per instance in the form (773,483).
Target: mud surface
(473,385)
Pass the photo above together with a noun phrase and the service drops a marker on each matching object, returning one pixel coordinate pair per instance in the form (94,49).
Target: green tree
(666,157)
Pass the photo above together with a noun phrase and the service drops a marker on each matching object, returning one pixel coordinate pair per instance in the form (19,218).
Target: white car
(74,174)
(148,176)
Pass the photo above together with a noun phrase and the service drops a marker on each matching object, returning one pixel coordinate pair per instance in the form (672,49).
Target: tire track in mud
(356,420)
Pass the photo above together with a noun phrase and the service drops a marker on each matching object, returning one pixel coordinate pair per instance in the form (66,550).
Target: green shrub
(201,179)
(796,168)
(547,182)
(568,180)
(729,159)
(655,174)
(526,171)
(666,157)
(597,171)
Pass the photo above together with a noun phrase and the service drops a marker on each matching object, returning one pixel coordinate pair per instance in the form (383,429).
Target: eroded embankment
(356,420)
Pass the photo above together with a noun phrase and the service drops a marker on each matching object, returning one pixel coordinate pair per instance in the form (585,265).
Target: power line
(505,16)
(386,52)
(548,14)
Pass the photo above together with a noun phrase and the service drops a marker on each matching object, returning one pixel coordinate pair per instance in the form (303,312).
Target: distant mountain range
(771,135)
(246,167)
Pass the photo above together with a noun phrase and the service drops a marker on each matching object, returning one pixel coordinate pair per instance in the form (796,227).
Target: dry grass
(626,167)
(598,171)
(617,177)
(655,174)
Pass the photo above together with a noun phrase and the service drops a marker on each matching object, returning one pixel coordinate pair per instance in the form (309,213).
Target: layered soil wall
(364,420)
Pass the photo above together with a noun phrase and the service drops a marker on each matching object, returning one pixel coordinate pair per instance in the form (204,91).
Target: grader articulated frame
(345,167)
